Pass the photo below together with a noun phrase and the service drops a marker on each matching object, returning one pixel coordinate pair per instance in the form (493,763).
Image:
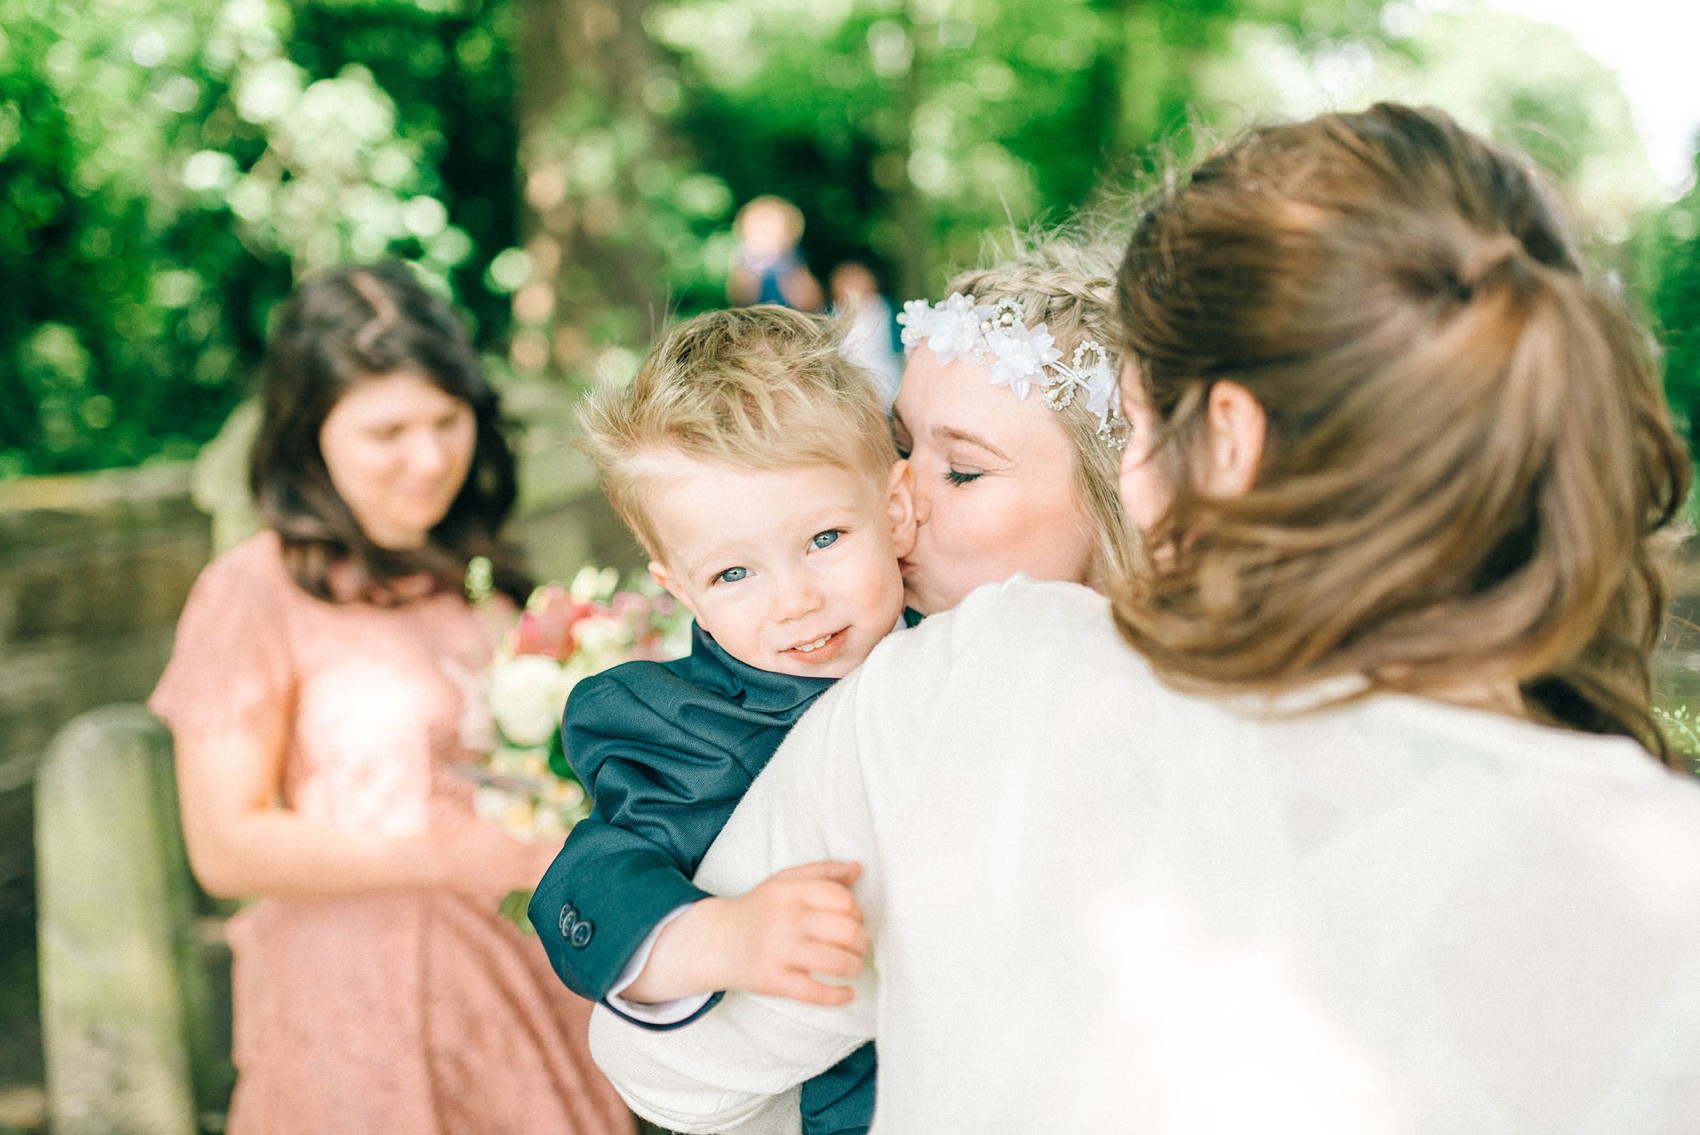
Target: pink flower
(546,626)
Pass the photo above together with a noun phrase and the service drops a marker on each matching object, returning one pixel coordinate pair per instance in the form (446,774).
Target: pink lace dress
(419,1012)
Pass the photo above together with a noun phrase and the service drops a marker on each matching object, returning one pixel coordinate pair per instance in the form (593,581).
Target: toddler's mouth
(822,649)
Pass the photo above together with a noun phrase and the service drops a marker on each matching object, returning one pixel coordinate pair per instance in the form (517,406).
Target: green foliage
(626,229)
(167,169)
(115,343)
(908,132)
(445,69)
(1681,728)
(1676,304)
(1519,81)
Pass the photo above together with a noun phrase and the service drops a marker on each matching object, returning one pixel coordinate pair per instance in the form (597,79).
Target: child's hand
(801,922)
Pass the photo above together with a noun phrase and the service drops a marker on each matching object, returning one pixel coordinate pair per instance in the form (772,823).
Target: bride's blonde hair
(1066,279)
(1467,451)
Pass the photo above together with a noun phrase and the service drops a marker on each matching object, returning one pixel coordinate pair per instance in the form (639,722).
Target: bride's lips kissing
(820,650)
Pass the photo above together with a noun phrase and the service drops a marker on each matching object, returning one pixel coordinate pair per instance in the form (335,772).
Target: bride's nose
(922,495)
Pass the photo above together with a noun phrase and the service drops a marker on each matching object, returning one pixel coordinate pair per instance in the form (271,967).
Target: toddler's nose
(797,596)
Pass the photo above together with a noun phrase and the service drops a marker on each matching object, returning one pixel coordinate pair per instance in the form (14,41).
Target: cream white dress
(1098,905)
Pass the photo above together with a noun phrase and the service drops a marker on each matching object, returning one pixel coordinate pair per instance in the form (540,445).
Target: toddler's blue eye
(826,539)
(732,575)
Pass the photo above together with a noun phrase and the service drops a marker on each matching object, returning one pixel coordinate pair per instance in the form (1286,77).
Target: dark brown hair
(1467,450)
(339,329)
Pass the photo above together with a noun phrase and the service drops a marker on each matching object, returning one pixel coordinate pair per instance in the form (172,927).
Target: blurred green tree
(615,211)
(1522,82)
(909,130)
(115,344)
(567,167)
(167,169)
(1675,245)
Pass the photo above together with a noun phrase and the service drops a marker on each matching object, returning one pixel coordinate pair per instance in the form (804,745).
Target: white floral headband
(1025,356)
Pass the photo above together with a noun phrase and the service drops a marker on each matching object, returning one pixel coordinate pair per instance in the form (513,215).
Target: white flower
(953,330)
(496,805)
(1023,353)
(917,316)
(563,795)
(604,640)
(1102,391)
(1017,356)
(527,695)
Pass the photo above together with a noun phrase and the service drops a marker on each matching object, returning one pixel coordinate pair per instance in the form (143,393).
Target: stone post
(123,994)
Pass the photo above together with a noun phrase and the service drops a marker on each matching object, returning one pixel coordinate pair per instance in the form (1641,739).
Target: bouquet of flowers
(563,634)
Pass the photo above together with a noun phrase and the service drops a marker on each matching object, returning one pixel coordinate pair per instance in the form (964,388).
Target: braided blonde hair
(1068,282)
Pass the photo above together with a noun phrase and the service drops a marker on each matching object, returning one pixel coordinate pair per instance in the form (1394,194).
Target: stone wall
(93,572)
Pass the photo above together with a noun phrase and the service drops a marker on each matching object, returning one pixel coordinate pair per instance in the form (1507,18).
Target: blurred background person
(316,697)
(870,326)
(767,265)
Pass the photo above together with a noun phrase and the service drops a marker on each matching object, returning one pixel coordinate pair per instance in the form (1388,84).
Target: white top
(1098,905)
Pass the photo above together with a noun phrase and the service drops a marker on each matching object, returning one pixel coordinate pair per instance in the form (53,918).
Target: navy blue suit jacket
(666,750)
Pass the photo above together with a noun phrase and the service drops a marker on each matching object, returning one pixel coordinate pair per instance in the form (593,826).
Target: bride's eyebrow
(951,433)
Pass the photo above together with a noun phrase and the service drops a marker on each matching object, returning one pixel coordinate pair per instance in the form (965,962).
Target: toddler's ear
(670,584)
(900,506)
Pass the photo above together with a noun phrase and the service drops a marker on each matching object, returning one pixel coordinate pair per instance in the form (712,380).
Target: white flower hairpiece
(1018,356)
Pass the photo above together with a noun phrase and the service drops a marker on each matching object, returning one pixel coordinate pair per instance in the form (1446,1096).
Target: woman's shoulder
(1016,628)
(256,560)
(1021,597)
(1038,615)
(232,646)
(1551,760)
(250,575)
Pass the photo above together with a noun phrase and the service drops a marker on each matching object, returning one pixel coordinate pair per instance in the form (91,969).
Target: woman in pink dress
(316,699)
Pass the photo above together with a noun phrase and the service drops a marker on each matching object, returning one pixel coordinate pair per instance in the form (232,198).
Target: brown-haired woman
(1349,817)
(315,695)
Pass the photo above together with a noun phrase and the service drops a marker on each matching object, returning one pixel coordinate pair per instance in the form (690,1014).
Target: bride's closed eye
(900,438)
(961,477)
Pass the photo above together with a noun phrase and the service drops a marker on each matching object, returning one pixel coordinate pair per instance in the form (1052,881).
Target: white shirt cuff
(660,1012)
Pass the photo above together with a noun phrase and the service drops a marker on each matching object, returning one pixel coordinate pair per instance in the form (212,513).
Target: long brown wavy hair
(1467,450)
(339,329)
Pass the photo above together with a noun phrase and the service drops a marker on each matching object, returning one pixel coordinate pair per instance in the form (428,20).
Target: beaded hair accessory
(1018,356)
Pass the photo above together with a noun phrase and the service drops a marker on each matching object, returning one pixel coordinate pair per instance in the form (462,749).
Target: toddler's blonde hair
(761,387)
